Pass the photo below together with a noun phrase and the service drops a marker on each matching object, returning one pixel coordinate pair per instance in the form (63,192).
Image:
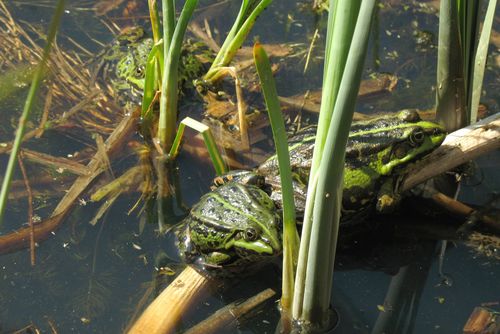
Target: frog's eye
(139,71)
(417,137)
(250,234)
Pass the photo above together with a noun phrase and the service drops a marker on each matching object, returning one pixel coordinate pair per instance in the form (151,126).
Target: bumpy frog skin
(376,154)
(125,64)
(231,227)
(126,59)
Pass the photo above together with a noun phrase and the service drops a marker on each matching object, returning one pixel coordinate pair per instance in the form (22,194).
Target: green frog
(377,152)
(124,64)
(231,227)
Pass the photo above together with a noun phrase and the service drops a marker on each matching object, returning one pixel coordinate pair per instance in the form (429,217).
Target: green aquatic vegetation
(219,164)
(290,234)
(460,73)
(347,38)
(249,11)
(35,84)
(172,42)
(15,79)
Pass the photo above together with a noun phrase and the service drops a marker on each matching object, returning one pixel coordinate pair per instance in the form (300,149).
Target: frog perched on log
(237,222)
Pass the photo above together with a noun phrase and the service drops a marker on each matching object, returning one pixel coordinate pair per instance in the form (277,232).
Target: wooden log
(482,321)
(163,314)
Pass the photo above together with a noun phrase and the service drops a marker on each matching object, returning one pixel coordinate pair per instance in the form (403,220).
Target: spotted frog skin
(377,152)
(124,64)
(232,226)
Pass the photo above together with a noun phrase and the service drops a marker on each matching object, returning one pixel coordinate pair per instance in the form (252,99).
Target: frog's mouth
(259,247)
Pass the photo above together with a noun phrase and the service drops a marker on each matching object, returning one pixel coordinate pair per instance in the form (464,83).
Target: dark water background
(88,279)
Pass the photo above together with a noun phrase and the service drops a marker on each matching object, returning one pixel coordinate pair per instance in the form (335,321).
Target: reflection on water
(91,278)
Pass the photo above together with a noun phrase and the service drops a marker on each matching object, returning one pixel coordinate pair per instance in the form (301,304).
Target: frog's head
(389,142)
(231,227)
(126,63)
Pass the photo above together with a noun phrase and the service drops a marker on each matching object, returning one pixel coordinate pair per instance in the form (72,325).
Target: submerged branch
(19,239)
(227,315)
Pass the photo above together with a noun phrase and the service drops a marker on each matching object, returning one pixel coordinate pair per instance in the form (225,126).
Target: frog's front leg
(387,199)
(215,259)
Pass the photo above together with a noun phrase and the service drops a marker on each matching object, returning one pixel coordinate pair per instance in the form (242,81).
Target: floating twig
(225,317)
(30,207)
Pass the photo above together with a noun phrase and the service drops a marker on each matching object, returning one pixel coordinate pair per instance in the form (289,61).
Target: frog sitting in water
(215,232)
(125,62)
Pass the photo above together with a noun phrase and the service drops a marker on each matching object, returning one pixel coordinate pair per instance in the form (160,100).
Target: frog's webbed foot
(387,199)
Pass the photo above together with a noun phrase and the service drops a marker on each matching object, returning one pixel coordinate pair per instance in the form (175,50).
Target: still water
(91,278)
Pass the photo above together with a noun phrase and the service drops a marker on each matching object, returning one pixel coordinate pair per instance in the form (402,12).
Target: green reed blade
(341,24)
(480,61)
(317,250)
(230,35)
(237,40)
(168,10)
(217,161)
(30,99)
(151,80)
(155,20)
(450,87)
(168,100)
(290,235)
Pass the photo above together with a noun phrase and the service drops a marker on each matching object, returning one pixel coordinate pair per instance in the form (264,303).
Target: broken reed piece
(163,314)
(462,209)
(226,316)
(482,321)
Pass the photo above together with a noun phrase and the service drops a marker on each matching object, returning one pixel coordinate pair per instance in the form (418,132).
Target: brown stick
(224,317)
(482,320)
(30,208)
(164,313)
(459,147)
(462,209)
(56,162)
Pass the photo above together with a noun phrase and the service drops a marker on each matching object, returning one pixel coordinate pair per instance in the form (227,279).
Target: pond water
(91,278)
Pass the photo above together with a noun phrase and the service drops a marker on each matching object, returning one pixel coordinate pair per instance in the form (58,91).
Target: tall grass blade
(168,100)
(328,197)
(290,235)
(480,61)
(450,91)
(230,35)
(341,25)
(155,20)
(35,84)
(217,161)
(235,40)
(168,11)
